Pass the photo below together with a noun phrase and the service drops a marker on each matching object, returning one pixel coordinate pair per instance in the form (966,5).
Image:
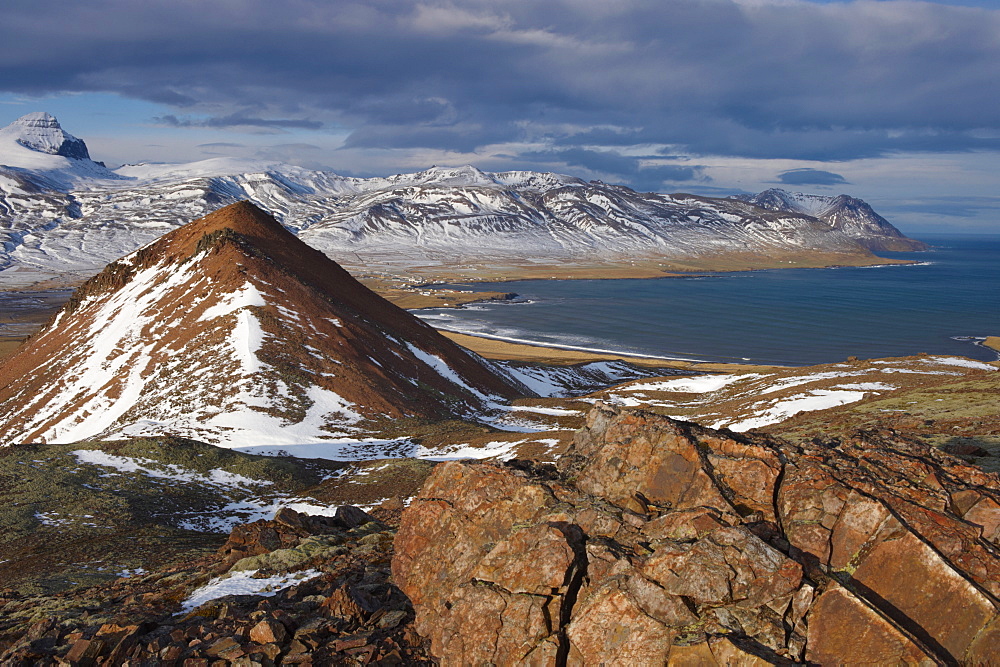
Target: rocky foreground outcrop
(654,541)
(346,610)
(657,540)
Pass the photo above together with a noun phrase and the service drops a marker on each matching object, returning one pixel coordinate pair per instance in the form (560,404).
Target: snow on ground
(562,381)
(914,371)
(444,370)
(700,384)
(372,448)
(818,399)
(509,422)
(543,411)
(224,519)
(118,324)
(337,449)
(967,363)
(244,298)
(134,572)
(867,386)
(52,519)
(632,401)
(500,450)
(537,380)
(173,472)
(745,401)
(244,583)
(780,384)
(115,370)
(326,408)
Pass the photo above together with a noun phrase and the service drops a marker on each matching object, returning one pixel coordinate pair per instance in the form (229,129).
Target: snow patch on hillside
(818,399)
(172,472)
(245,583)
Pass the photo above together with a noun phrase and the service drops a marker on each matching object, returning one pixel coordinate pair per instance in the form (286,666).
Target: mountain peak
(844,213)
(38,119)
(233,331)
(466,175)
(40,131)
(244,223)
(243,217)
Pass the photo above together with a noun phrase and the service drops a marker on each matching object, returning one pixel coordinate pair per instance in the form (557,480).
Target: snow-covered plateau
(63,214)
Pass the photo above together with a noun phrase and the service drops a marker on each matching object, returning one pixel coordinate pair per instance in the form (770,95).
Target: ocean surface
(786,316)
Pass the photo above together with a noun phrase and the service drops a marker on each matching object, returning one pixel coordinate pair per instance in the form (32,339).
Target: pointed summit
(232,331)
(242,220)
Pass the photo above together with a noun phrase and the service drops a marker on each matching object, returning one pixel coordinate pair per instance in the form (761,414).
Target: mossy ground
(946,412)
(64,523)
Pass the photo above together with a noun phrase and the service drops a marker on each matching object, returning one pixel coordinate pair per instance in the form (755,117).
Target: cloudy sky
(894,101)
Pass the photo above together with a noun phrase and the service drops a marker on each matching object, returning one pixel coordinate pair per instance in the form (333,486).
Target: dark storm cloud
(954,207)
(463,137)
(810,177)
(235,120)
(626,168)
(789,79)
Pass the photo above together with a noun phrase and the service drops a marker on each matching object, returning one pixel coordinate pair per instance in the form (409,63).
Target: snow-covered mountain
(232,331)
(37,154)
(850,215)
(62,213)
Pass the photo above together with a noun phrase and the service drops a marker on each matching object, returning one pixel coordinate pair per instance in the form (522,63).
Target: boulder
(286,530)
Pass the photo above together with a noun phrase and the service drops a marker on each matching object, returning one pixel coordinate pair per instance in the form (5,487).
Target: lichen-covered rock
(845,630)
(665,542)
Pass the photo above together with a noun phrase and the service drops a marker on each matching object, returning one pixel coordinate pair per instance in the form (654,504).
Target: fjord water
(788,316)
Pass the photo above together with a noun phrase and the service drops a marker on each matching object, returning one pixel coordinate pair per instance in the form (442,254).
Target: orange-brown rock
(285,530)
(268,632)
(664,542)
(845,630)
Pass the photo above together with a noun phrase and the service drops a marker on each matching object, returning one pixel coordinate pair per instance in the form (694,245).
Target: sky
(893,101)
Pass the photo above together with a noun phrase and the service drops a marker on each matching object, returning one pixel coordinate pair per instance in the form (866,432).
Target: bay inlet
(940,305)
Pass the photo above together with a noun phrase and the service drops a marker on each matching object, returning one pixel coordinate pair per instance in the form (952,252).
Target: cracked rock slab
(662,541)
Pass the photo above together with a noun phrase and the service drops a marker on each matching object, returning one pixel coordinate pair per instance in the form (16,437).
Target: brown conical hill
(231,330)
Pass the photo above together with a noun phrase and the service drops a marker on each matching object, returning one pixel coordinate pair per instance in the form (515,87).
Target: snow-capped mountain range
(61,212)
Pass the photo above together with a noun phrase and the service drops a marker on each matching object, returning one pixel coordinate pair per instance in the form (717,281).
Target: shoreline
(500,349)
(574,348)
(992,342)
(636,271)
(436,283)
